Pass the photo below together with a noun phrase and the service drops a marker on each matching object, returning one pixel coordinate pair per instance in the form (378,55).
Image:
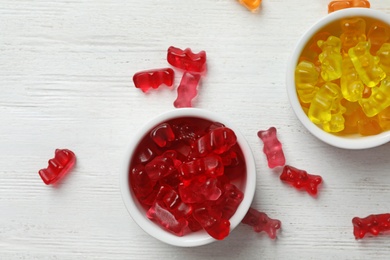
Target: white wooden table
(66,72)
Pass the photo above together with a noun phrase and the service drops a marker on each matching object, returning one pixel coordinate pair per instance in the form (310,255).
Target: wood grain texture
(65,79)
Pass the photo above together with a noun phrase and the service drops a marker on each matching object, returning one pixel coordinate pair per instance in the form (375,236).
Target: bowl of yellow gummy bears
(338,78)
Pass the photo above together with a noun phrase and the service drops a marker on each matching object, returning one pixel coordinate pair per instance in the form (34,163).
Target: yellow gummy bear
(384,57)
(330,58)
(379,99)
(326,108)
(354,31)
(366,64)
(351,85)
(306,78)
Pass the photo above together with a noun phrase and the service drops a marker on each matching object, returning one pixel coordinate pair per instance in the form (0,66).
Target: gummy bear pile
(343,77)
(187,173)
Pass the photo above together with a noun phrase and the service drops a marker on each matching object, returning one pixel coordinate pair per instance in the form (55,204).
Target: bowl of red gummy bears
(338,78)
(188,177)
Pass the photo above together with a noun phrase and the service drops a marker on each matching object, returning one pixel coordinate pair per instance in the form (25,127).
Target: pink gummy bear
(300,179)
(218,140)
(272,147)
(261,222)
(187,90)
(373,224)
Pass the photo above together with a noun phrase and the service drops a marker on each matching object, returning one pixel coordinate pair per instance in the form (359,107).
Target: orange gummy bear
(342,4)
(252,5)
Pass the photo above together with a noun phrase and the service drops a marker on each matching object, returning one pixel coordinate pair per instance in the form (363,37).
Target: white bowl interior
(347,142)
(138,213)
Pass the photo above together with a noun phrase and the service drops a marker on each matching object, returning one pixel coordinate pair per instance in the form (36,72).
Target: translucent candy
(162,165)
(147,79)
(306,78)
(187,90)
(379,99)
(351,85)
(324,103)
(186,59)
(162,135)
(218,141)
(300,179)
(373,224)
(252,5)
(272,147)
(377,35)
(353,32)
(330,58)
(199,190)
(143,186)
(384,58)
(169,211)
(384,119)
(229,201)
(342,4)
(212,222)
(366,65)
(261,222)
(210,165)
(58,167)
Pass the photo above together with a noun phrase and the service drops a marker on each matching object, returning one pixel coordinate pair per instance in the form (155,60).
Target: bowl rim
(195,238)
(362,142)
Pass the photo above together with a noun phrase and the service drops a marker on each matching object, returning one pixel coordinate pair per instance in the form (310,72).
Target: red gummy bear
(217,141)
(212,222)
(261,222)
(187,90)
(169,211)
(186,59)
(59,166)
(300,179)
(210,165)
(199,190)
(147,79)
(229,201)
(373,224)
(162,165)
(272,147)
(162,134)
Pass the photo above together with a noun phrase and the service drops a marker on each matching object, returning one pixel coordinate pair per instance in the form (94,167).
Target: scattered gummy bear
(300,179)
(373,224)
(187,90)
(147,79)
(261,222)
(272,147)
(252,5)
(186,59)
(342,4)
(59,166)
(182,173)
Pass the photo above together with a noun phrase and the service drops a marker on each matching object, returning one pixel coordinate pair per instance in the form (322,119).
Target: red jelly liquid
(185,185)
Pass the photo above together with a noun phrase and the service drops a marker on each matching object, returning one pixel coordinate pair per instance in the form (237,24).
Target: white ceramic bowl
(347,142)
(138,213)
